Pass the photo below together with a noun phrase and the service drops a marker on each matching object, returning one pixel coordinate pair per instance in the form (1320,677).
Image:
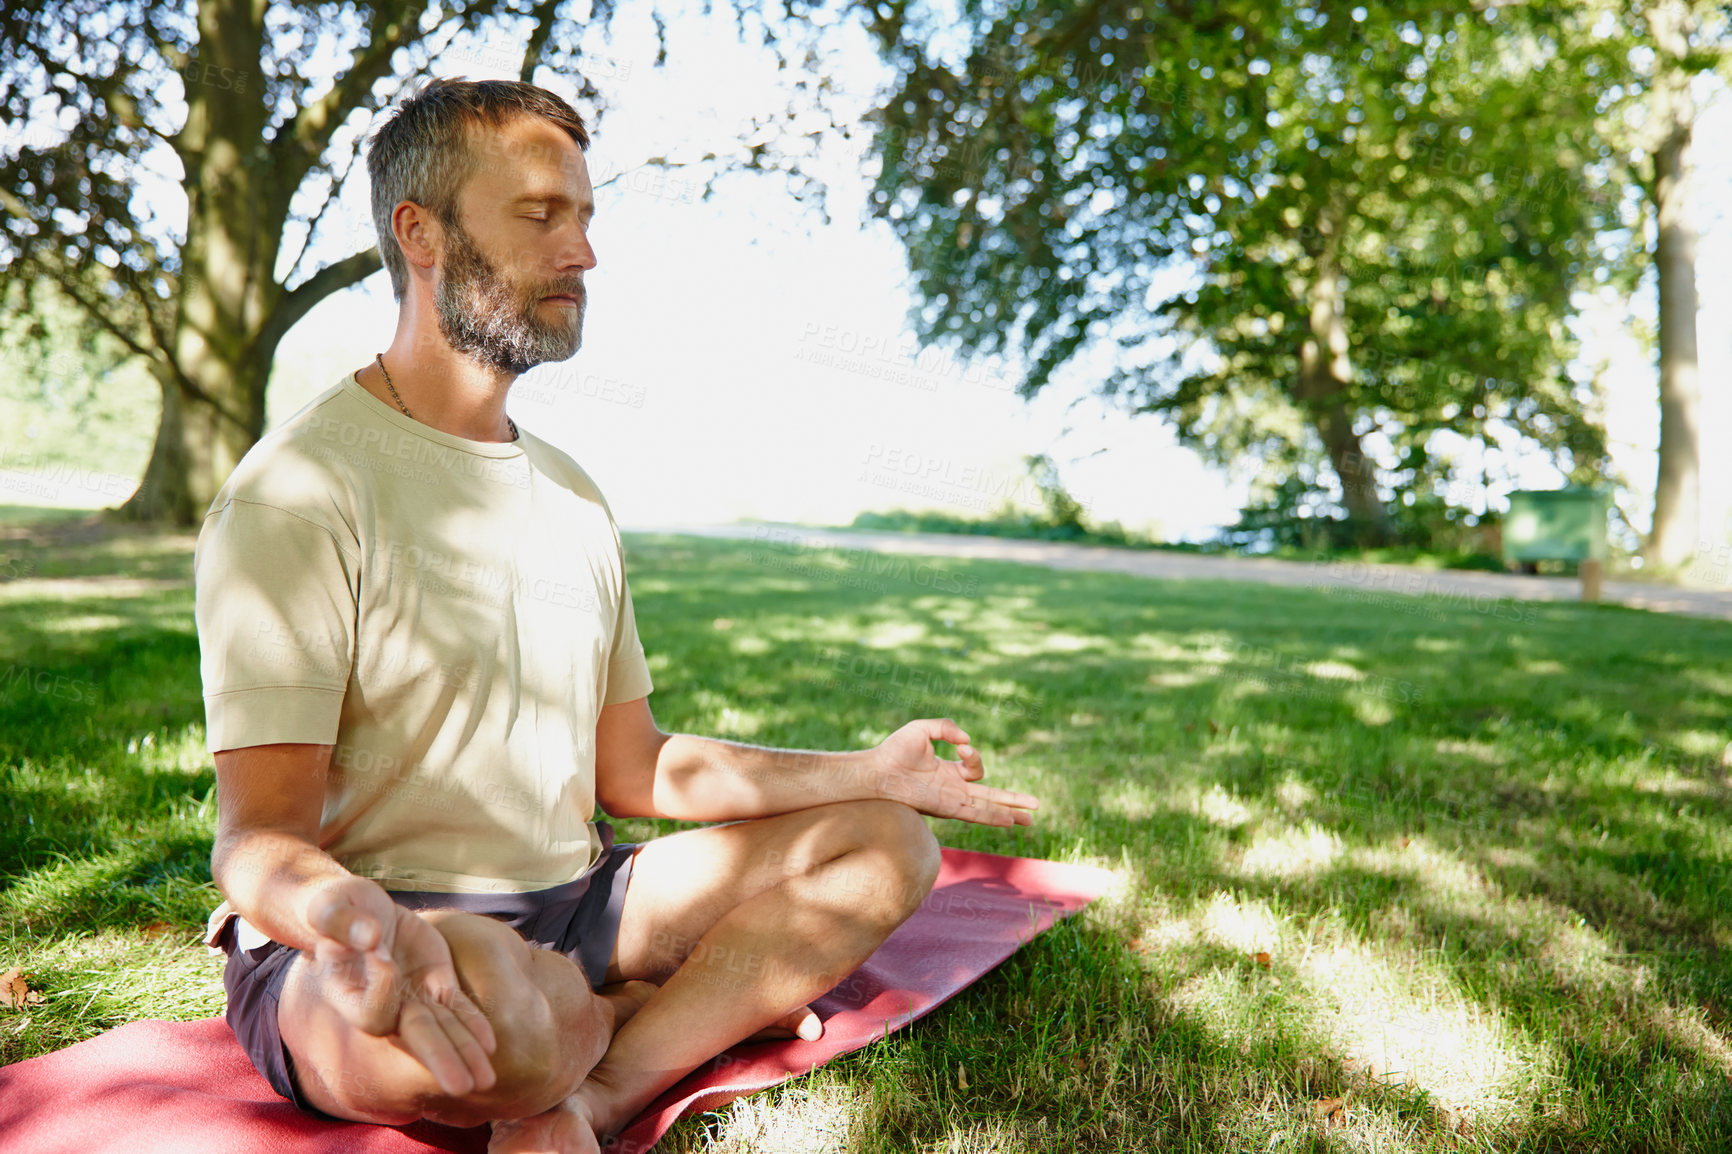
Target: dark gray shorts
(579,919)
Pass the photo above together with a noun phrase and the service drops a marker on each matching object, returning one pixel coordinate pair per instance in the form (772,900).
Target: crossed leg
(551,1029)
(742,925)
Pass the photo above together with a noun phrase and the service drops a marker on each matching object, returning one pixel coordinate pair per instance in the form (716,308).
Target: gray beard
(482,316)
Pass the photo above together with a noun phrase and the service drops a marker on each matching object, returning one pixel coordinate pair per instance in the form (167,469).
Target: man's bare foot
(801,1023)
(565,1129)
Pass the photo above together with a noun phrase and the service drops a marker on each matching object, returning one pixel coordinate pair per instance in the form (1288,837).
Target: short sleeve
(275,597)
(628,675)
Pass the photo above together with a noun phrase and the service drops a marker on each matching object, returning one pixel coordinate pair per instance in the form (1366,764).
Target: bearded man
(422,672)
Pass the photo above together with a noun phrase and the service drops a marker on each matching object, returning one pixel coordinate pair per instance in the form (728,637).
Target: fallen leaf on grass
(1213,728)
(1330,1111)
(961,1076)
(1261,957)
(156,929)
(15,992)
(1457,1121)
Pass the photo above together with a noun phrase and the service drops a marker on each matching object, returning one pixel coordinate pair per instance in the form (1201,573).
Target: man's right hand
(390,972)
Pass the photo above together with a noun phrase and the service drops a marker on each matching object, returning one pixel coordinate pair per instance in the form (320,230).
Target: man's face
(510,288)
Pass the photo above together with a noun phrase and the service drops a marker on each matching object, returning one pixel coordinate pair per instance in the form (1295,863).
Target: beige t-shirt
(451,614)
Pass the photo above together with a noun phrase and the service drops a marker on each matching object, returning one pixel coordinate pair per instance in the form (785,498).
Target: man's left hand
(910,772)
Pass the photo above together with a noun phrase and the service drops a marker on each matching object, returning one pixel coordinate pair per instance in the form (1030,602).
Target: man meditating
(422,674)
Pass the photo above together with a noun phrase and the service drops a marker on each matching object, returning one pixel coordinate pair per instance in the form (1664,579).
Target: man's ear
(418,233)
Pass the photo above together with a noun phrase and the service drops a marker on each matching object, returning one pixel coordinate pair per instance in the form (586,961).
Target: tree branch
(544,14)
(331,196)
(313,125)
(295,304)
(103,316)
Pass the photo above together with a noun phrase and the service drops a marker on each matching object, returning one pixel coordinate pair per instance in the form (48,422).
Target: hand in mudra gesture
(910,772)
(389,971)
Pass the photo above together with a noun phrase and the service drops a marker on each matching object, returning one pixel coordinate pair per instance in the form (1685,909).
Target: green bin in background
(1556,525)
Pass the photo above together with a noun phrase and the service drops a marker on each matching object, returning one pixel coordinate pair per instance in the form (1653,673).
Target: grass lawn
(1399,875)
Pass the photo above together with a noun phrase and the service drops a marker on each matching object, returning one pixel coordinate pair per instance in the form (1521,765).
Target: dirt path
(1476,587)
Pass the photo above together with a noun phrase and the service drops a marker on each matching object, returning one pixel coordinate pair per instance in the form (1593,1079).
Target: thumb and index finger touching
(1004,807)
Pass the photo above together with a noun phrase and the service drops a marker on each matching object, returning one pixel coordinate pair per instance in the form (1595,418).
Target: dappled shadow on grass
(1527,812)
(1566,758)
(1072,1045)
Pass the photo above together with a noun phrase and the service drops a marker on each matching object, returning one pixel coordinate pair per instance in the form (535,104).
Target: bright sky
(744,360)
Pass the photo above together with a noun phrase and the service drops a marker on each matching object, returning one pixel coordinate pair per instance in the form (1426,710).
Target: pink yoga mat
(186,1087)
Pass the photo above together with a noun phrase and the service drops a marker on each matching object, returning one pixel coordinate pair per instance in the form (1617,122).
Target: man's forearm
(707,779)
(268,877)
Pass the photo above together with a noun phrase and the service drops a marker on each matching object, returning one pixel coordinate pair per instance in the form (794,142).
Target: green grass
(1470,872)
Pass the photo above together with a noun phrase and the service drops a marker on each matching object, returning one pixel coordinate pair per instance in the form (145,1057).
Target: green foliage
(1178,182)
(1060,517)
(1007,522)
(69,396)
(1293,519)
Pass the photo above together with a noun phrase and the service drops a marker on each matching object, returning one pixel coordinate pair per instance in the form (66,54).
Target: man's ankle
(597,1103)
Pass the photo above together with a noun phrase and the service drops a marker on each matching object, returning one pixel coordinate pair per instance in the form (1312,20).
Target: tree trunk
(213,383)
(1677,488)
(1324,375)
(163,494)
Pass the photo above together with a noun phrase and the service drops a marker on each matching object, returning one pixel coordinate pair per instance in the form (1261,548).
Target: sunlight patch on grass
(1688,1031)
(184,752)
(732,722)
(817,1116)
(1373,711)
(1333,671)
(1557,938)
(1702,743)
(1294,794)
(1477,750)
(1244,926)
(94,981)
(894,634)
(1223,809)
(1133,800)
(1403,1025)
(82,623)
(1386,1014)
(1291,853)
(1673,784)
(1177,679)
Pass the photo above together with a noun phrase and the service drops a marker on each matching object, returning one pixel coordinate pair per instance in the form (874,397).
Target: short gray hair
(424,152)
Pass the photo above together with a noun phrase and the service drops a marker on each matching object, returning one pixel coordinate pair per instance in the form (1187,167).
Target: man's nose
(575,250)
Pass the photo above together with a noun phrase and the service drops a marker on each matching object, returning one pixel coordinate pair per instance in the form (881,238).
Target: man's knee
(905,850)
(548,1030)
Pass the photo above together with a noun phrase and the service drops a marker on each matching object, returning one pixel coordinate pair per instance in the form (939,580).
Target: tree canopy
(253,113)
(1318,234)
